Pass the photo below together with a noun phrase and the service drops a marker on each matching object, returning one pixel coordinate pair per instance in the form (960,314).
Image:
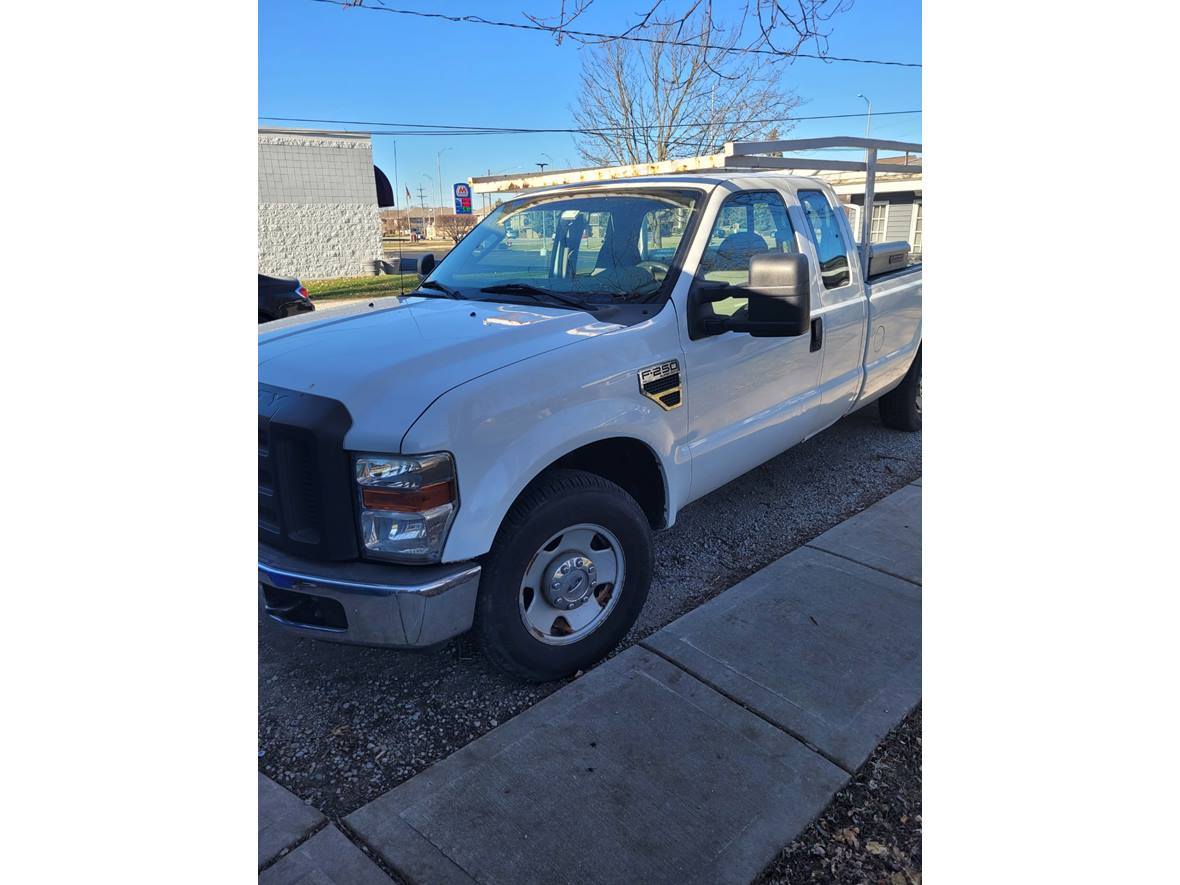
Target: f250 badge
(661,384)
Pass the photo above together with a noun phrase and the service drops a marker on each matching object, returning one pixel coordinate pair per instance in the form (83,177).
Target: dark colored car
(279,297)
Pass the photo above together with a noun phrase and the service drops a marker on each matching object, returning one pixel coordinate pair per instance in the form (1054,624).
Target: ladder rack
(739,155)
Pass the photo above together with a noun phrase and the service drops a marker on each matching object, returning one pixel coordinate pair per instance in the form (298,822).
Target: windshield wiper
(436,285)
(535,291)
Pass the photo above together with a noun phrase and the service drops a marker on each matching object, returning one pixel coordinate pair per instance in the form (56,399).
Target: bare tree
(646,102)
(774,27)
(454,226)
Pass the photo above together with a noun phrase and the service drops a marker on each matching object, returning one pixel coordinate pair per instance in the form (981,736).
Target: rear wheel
(566,578)
(901,408)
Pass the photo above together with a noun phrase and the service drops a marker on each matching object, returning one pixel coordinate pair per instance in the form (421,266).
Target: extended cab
(496,448)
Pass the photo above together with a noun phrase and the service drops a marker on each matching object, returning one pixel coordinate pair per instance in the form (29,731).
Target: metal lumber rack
(736,155)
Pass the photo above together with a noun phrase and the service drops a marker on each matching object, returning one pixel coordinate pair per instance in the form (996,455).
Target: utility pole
(422,200)
(433,209)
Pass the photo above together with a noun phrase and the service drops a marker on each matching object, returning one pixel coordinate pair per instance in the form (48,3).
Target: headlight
(407,504)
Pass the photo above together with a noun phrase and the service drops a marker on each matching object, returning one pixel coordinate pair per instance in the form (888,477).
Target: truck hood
(387,360)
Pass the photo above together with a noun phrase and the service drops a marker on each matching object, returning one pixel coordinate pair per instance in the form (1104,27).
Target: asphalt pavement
(415,250)
(339,725)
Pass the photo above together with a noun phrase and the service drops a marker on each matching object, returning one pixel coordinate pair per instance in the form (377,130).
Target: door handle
(817,334)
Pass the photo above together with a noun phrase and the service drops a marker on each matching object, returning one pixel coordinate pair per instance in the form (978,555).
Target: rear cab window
(830,244)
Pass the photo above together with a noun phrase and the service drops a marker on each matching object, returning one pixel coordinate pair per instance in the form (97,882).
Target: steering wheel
(657,269)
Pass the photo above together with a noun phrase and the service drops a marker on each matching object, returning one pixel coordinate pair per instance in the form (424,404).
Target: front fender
(506,427)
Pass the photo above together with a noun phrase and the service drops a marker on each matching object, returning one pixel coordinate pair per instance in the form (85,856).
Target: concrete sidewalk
(694,756)
(297,846)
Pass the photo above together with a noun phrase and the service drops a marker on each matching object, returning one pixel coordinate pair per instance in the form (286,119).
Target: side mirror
(779,300)
(780,295)
(422,265)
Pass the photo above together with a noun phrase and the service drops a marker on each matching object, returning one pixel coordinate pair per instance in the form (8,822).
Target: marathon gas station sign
(462,198)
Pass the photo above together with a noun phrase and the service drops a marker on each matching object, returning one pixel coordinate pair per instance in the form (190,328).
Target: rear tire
(597,532)
(901,408)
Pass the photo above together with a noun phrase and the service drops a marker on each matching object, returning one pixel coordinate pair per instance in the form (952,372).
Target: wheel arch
(630,464)
(625,460)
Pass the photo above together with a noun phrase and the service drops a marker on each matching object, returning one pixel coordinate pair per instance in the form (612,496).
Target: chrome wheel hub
(572,584)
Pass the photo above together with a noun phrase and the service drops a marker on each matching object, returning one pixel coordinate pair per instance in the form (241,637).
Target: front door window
(750,223)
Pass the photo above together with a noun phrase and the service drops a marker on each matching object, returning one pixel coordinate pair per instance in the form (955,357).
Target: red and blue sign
(462,199)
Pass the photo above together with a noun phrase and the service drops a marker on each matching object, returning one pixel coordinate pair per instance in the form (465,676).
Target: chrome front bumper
(368,603)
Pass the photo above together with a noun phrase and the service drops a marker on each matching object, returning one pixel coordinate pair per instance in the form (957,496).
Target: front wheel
(566,578)
(901,408)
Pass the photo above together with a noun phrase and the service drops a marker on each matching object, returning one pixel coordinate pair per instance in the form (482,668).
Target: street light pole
(866,221)
(438,170)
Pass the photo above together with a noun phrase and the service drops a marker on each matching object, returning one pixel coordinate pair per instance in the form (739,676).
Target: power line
(480,20)
(439,129)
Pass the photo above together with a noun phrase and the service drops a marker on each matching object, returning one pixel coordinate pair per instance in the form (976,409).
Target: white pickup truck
(495,449)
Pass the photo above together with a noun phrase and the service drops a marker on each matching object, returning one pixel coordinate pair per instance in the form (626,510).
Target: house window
(853,212)
(877,225)
(916,231)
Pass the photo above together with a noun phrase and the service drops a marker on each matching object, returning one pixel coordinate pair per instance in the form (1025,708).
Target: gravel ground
(872,830)
(340,725)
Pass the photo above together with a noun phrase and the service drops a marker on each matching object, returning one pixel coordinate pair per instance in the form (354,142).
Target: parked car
(279,297)
(495,451)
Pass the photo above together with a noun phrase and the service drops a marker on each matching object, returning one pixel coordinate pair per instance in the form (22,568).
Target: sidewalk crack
(734,700)
(875,568)
(368,852)
(288,849)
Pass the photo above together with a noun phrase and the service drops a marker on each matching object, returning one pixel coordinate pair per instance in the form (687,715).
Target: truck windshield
(574,248)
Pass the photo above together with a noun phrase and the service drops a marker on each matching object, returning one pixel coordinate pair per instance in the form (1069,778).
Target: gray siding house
(897,205)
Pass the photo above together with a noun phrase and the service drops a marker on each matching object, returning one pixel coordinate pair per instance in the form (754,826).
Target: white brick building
(317,204)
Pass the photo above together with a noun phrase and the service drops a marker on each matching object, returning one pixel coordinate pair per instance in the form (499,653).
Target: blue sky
(322,61)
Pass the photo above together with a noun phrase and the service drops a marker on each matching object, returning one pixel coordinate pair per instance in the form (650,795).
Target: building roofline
(315,133)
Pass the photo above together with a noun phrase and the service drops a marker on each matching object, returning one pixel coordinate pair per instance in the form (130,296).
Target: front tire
(901,408)
(566,578)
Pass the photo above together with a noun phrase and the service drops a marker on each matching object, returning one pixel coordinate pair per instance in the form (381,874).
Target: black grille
(302,511)
(304,491)
(268,517)
(667,383)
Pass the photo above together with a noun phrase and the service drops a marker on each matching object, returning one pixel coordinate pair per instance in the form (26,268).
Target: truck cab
(496,449)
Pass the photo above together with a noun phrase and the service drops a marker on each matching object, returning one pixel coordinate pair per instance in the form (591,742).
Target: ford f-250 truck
(495,449)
